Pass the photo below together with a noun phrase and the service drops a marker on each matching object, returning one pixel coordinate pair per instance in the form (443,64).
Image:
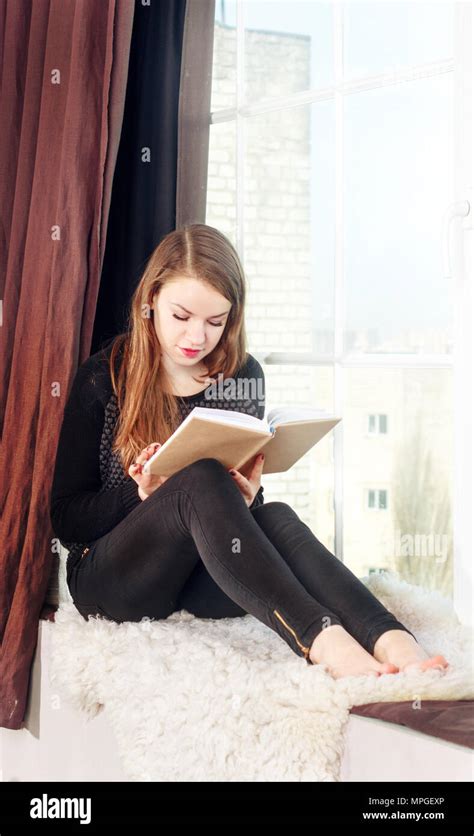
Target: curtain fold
(160,179)
(143,203)
(194,113)
(63,69)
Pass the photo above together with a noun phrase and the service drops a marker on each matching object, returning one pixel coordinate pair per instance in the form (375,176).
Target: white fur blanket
(195,699)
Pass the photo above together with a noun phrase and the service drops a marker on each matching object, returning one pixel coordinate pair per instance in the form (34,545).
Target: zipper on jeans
(303,648)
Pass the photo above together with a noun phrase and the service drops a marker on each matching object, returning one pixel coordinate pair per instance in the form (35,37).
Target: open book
(235,438)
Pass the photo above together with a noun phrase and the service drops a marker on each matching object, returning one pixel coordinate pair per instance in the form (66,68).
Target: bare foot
(344,656)
(400,648)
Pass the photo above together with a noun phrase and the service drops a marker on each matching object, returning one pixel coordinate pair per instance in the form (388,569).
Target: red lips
(190,351)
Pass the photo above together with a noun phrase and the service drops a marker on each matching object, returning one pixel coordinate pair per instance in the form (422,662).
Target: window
(377,498)
(377,424)
(331,168)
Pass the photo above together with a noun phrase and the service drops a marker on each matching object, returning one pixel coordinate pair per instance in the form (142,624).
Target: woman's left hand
(249,487)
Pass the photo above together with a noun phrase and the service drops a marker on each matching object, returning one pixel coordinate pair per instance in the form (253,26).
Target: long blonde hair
(148,413)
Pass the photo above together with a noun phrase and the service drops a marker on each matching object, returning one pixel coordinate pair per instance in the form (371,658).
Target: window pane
(383,499)
(221,186)
(411,468)
(223,92)
(398,184)
(289,226)
(379,37)
(288,47)
(382,423)
(309,485)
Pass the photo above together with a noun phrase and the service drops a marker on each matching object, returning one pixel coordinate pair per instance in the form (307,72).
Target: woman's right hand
(147,482)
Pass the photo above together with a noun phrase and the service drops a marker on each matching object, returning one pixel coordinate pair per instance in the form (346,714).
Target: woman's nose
(196,337)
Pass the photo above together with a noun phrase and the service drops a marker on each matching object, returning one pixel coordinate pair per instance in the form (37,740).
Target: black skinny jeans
(194,544)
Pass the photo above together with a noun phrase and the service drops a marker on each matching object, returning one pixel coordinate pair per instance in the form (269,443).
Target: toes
(436,662)
(387,667)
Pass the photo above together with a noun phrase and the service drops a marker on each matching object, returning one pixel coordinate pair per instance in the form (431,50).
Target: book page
(286,414)
(229,416)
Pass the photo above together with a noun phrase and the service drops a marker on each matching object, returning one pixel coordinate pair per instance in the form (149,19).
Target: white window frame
(461,359)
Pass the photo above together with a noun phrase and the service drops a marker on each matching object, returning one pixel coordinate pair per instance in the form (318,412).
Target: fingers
(242,483)
(236,475)
(137,466)
(258,465)
(253,470)
(150,451)
(147,452)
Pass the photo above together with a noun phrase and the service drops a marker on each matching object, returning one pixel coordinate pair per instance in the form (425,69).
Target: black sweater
(91,493)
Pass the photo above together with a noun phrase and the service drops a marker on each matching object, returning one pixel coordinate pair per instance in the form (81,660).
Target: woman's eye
(185,319)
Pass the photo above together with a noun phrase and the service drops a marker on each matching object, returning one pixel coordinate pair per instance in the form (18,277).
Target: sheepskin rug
(193,699)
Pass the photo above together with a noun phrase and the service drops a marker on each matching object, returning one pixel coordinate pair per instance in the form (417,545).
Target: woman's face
(188,314)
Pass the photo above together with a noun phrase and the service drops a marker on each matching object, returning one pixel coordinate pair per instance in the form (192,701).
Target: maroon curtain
(64,69)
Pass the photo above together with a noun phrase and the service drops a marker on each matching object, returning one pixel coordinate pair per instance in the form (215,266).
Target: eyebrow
(190,312)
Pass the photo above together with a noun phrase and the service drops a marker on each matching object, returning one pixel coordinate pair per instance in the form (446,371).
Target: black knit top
(91,493)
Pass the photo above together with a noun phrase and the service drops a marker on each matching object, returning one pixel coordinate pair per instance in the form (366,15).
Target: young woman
(203,539)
